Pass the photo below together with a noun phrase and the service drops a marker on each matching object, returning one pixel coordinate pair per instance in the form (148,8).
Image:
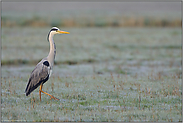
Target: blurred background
(120,62)
(29,23)
(92,14)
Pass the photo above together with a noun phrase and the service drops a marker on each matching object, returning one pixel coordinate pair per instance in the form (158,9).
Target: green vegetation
(94,98)
(100,74)
(129,22)
(84,19)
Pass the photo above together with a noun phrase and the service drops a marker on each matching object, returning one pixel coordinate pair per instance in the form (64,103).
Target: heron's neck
(52,53)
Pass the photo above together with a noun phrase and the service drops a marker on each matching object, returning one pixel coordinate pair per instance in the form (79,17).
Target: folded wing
(39,75)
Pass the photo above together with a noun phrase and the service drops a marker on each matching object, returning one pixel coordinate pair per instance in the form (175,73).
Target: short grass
(101,74)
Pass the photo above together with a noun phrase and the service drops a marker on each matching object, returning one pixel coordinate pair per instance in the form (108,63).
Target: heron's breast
(50,73)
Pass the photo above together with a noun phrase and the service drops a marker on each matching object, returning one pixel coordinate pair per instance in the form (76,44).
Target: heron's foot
(52,97)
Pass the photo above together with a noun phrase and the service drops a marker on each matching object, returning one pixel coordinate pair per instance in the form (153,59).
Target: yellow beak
(63,32)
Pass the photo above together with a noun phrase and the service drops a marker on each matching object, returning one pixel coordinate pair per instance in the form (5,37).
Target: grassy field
(100,74)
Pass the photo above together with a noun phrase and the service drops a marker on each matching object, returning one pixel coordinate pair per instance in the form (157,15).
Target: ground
(100,74)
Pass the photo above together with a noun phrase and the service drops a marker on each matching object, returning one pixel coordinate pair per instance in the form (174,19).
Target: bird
(43,70)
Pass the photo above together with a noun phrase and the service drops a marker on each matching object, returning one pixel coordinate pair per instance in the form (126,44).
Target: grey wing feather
(39,75)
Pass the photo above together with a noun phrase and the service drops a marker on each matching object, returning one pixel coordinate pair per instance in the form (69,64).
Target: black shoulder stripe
(46,63)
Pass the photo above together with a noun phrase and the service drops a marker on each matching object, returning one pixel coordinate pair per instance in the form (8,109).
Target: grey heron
(43,69)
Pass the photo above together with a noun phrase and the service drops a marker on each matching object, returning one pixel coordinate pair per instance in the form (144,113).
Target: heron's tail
(30,87)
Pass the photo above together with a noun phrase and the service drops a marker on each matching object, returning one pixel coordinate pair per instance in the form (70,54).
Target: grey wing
(39,75)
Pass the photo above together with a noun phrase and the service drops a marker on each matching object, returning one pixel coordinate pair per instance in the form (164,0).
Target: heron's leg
(40,90)
(52,97)
(41,86)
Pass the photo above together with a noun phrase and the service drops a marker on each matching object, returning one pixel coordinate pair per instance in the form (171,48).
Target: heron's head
(55,30)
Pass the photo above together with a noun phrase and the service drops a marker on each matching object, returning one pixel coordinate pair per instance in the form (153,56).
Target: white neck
(52,53)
